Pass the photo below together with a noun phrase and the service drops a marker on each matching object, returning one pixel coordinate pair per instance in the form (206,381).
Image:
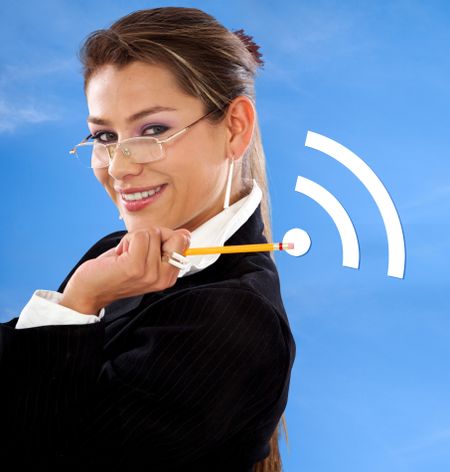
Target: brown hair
(209,62)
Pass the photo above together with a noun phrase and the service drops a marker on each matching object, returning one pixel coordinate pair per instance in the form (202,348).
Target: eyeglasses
(141,149)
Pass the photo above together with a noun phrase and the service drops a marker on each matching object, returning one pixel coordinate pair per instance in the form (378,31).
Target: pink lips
(136,205)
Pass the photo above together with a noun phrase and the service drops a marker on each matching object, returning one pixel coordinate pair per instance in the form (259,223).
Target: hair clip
(250,45)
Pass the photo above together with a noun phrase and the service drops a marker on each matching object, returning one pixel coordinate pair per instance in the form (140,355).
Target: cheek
(101,175)
(194,177)
(198,163)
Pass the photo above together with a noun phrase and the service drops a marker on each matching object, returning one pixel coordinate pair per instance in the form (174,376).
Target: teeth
(140,195)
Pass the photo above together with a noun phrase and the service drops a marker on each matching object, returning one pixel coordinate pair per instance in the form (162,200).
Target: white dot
(301,240)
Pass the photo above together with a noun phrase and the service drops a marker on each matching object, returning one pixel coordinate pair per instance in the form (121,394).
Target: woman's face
(193,173)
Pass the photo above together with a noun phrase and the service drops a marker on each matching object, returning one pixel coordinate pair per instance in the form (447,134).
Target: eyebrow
(135,117)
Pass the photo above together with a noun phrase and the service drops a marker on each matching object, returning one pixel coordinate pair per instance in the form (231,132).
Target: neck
(239,190)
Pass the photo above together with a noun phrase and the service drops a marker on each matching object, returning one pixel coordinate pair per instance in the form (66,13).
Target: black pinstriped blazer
(194,377)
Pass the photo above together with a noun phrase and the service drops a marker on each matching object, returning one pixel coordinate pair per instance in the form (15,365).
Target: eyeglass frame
(158,141)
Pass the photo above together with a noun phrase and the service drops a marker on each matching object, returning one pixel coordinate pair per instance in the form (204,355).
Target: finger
(138,251)
(186,232)
(153,261)
(188,240)
(172,261)
(170,269)
(178,242)
(167,233)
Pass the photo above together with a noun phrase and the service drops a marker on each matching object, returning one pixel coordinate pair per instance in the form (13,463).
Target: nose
(121,164)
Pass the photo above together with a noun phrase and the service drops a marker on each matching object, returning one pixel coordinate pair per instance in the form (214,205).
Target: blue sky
(369,388)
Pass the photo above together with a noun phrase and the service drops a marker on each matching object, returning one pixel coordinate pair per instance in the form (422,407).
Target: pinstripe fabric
(194,377)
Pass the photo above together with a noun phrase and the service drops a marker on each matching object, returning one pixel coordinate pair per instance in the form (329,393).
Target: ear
(240,122)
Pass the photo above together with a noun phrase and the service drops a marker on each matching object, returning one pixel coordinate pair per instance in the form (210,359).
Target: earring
(120,216)
(226,202)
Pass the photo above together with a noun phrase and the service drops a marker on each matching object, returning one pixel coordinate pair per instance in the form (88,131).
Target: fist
(133,267)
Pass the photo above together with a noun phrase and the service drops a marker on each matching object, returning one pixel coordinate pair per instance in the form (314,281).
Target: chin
(136,222)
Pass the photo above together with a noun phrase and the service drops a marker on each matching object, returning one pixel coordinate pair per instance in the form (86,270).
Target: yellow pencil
(238,248)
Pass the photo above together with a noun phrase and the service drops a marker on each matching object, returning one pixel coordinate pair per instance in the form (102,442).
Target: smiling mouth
(137,201)
(131,197)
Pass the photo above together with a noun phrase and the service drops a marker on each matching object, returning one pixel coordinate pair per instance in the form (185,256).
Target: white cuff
(44,309)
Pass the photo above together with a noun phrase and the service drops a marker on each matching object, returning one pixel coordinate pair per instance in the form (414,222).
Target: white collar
(220,228)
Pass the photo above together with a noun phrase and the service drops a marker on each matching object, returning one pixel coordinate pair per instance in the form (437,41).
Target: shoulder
(241,320)
(229,334)
(240,296)
(240,275)
(230,296)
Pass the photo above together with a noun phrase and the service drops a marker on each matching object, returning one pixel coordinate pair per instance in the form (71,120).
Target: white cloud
(20,104)
(12,73)
(15,114)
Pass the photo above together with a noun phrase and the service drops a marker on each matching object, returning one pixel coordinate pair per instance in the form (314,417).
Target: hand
(133,267)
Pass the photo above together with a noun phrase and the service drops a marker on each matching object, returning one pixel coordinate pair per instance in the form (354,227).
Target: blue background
(370,386)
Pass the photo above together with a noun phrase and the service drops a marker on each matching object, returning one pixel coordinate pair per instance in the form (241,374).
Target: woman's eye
(159,129)
(107,137)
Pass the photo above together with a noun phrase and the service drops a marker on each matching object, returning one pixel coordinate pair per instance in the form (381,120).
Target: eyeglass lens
(96,155)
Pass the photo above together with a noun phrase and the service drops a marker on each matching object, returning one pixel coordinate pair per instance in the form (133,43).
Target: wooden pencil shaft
(234,249)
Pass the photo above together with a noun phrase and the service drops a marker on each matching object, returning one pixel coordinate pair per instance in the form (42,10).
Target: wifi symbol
(340,217)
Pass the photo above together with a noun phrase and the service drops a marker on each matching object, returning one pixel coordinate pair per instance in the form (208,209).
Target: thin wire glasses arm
(160,141)
(72,151)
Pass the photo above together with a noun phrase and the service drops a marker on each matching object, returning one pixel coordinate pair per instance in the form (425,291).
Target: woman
(143,359)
